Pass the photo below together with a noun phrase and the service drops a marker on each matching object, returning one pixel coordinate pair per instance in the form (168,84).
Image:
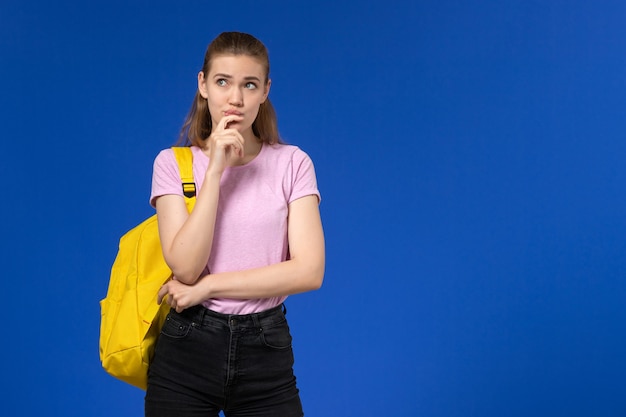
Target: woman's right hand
(225,145)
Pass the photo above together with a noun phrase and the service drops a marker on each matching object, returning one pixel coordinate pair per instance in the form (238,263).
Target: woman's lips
(231,112)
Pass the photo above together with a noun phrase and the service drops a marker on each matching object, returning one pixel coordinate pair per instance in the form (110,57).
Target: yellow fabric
(131,319)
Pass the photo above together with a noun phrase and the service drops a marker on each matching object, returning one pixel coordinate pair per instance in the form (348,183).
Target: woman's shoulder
(165,160)
(167,157)
(163,157)
(286,151)
(164,154)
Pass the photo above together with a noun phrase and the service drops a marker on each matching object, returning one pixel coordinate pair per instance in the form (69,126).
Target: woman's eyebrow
(249,77)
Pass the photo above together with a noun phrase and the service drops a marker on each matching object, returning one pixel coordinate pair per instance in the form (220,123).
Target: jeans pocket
(175,328)
(277,336)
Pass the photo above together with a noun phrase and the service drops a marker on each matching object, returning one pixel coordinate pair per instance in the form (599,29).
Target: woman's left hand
(178,295)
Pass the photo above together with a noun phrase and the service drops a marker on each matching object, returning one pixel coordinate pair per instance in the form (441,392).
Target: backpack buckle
(189,189)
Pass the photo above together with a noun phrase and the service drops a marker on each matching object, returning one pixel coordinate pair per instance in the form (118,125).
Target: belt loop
(256,322)
(284,309)
(203,312)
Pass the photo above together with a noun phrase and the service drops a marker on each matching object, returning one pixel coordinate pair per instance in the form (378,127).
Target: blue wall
(470,157)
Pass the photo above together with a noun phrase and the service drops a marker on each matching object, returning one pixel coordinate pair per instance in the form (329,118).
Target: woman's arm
(186,239)
(304,271)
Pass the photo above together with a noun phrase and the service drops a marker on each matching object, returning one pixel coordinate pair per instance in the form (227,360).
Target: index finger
(223,124)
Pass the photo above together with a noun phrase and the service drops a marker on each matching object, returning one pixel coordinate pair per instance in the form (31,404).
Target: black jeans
(205,362)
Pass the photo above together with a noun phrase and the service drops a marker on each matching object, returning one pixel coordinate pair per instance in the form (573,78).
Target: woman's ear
(266,93)
(202,86)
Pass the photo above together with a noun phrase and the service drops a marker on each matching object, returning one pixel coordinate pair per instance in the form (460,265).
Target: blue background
(470,156)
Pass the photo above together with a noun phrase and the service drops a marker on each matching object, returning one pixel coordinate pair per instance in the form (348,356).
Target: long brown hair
(197,126)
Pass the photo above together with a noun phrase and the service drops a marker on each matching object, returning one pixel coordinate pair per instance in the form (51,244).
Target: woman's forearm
(286,278)
(187,254)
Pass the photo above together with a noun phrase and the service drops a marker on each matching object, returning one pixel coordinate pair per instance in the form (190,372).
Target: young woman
(254,237)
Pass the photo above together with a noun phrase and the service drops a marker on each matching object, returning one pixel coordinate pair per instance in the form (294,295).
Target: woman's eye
(250,86)
(221,82)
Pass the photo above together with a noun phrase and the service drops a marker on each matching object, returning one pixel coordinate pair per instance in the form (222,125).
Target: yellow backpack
(131,319)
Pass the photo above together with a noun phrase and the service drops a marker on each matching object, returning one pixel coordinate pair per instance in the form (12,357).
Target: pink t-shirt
(251,223)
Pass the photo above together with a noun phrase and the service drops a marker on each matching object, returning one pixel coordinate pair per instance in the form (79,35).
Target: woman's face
(234,84)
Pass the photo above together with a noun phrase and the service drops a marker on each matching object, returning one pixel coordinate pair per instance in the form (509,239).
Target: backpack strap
(184,157)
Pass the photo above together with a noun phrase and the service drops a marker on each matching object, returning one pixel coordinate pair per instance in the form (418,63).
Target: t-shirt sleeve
(165,176)
(304,181)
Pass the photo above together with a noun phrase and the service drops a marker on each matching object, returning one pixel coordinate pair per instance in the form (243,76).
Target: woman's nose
(236,97)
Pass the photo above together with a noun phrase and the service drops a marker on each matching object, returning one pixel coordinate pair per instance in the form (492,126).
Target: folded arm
(304,271)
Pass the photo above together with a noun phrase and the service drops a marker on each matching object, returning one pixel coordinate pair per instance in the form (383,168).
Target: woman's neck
(251,148)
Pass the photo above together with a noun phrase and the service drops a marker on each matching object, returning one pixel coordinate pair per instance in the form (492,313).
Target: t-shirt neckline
(250,163)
